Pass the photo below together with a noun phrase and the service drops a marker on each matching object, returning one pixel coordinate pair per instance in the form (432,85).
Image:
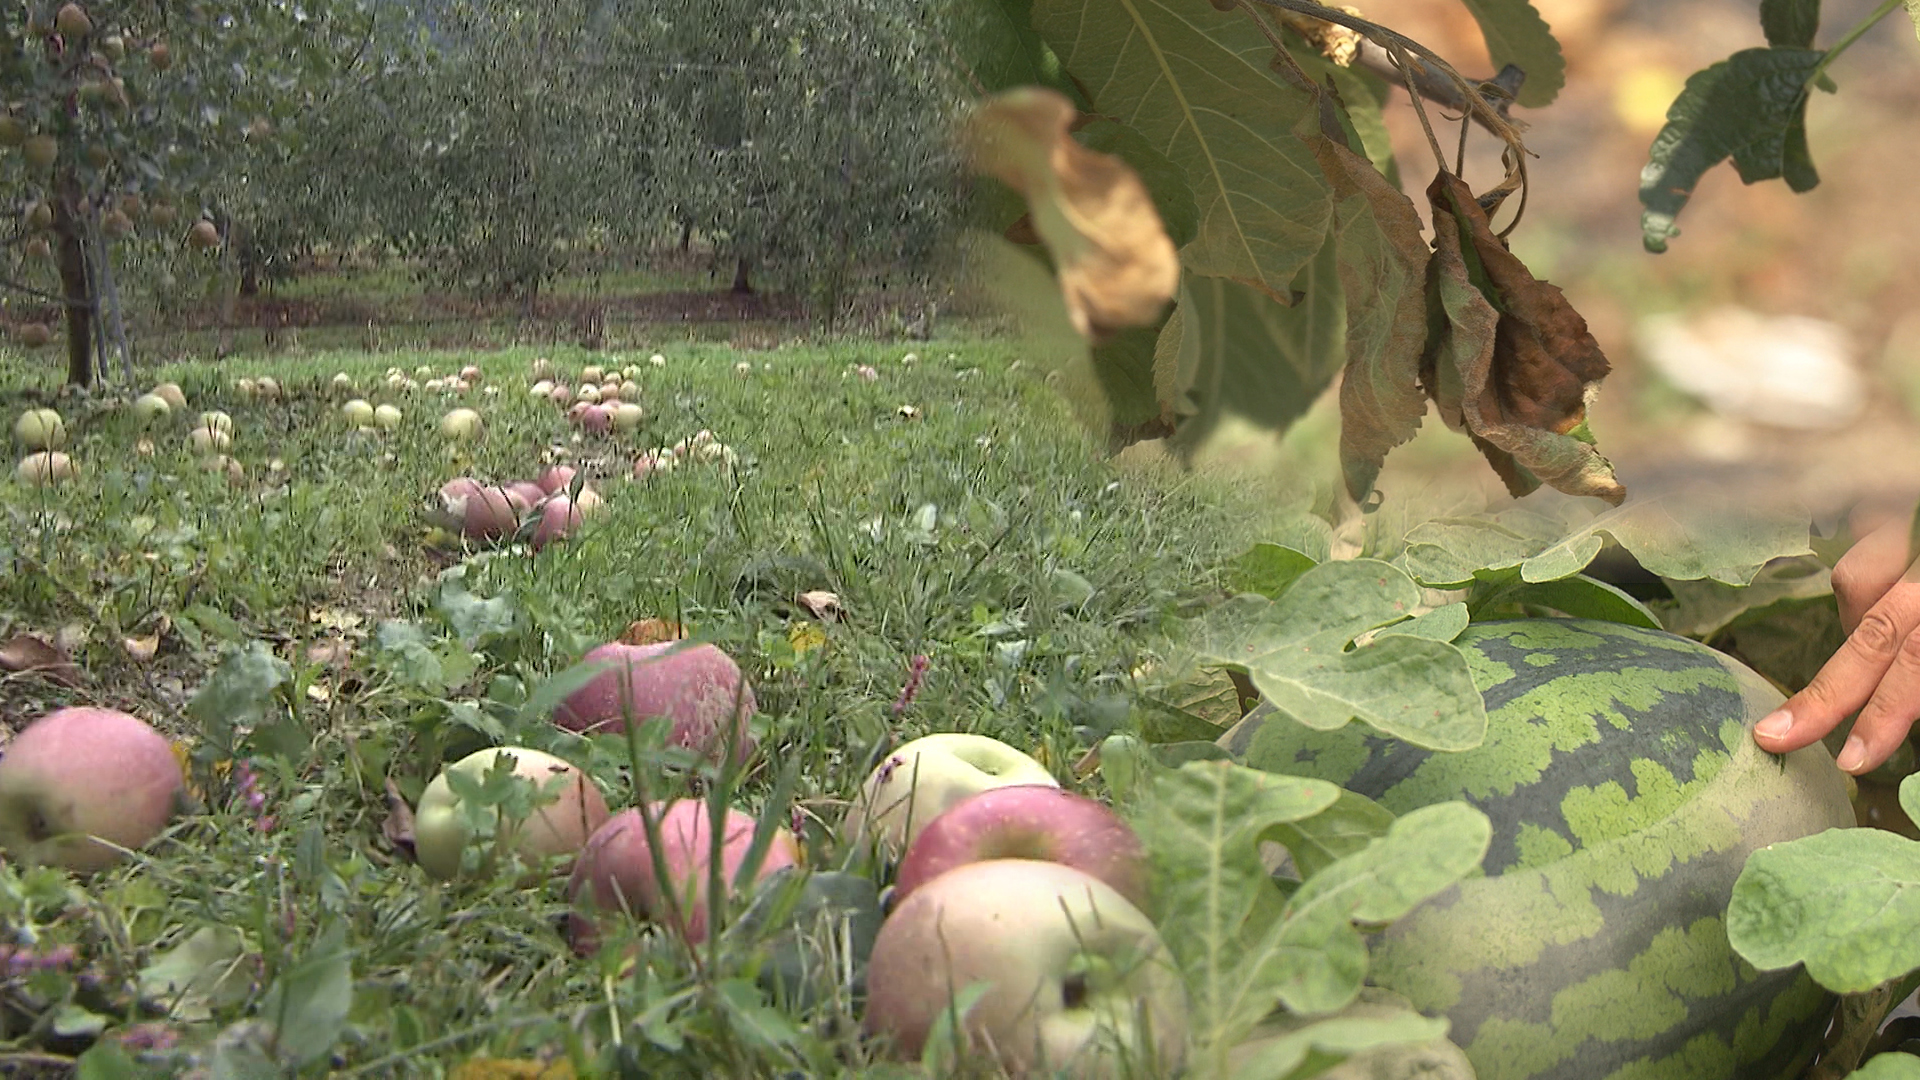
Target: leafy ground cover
(309,641)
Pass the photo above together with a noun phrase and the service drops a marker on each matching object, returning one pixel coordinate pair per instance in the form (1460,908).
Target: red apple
(696,688)
(597,419)
(559,519)
(923,779)
(479,511)
(1029,821)
(615,872)
(556,478)
(79,774)
(1078,980)
(528,491)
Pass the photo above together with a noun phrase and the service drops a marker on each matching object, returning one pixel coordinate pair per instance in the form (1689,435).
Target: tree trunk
(686,236)
(741,285)
(72,256)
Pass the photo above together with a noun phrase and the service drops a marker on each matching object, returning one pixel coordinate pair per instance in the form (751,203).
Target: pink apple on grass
(921,780)
(1077,979)
(558,826)
(697,689)
(79,784)
(615,874)
(1028,821)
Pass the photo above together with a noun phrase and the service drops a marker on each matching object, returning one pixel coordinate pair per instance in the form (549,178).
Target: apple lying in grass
(209,440)
(527,491)
(595,419)
(386,416)
(462,425)
(923,779)
(696,688)
(615,873)
(470,373)
(568,808)
(627,416)
(1078,980)
(40,429)
(359,412)
(342,383)
(171,393)
(540,389)
(540,368)
(557,478)
(80,776)
(477,511)
(1028,821)
(267,388)
(215,420)
(150,408)
(46,468)
(559,519)
(561,395)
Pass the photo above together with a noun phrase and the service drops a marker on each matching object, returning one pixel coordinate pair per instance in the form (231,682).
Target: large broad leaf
(1007,53)
(1166,182)
(1199,85)
(308,1004)
(1579,596)
(1122,365)
(1202,824)
(1296,652)
(1751,107)
(1241,355)
(1890,1066)
(1280,1048)
(1845,902)
(1790,23)
(1701,609)
(1516,34)
(1023,287)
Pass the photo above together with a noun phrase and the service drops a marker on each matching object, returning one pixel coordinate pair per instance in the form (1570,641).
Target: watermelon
(1625,794)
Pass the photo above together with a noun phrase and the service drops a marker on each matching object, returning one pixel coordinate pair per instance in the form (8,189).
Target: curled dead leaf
(141,649)
(398,825)
(821,603)
(1117,268)
(1511,362)
(28,654)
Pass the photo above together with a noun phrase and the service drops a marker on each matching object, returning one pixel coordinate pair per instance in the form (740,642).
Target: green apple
(461,425)
(150,408)
(359,412)
(922,779)
(171,393)
(1078,981)
(387,416)
(45,468)
(217,421)
(555,829)
(40,429)
(80,784)
(209,440)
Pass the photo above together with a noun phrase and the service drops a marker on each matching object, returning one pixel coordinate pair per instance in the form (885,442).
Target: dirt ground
(1848,251)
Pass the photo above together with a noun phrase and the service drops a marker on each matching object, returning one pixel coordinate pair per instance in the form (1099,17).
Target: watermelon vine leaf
(1579,596)
(1196,83)
(1516,34)
(1790,24)
(1292,1048)
(1843,902)
(1295,651)
(1890,1065)
(1115,265)
(1751,107)
(1514,365)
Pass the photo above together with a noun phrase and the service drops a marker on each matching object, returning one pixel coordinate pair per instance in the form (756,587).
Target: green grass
(986,535)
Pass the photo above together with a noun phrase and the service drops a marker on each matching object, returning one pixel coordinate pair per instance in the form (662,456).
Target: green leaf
(1579,596)
(1751,107)
(1844,902)
(1199,86)
(1201,825)
(1422,853)
(1123,367)
(106,1060)
(1007,52)
(1295,651)
(1443,623)
(1701,609)
(1680,537)
(1279,1047)
(1790,23)
(1241,355)
(309,1002)
(204,972)
(1267,569)
(471,618)
(1889,1065)
(1910,797)
(1448,552)
(1913,12)
(237,695)
(1516,34)
(1343,829)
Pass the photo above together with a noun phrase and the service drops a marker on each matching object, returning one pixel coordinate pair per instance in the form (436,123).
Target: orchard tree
(129,115)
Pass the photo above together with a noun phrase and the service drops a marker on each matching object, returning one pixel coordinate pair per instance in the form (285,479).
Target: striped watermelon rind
(1626,793)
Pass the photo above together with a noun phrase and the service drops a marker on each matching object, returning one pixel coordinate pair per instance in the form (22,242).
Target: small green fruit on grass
(40,429)
(149,408)
(359,412)
(926,777)
(81,776)
(567,809)
(387,416)
(171,393)
(45,468)
(462,424)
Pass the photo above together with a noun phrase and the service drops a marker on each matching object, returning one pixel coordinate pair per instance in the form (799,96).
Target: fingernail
(1853,755)
(1775,724)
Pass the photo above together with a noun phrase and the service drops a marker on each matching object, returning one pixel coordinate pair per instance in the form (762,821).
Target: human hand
(1877,669)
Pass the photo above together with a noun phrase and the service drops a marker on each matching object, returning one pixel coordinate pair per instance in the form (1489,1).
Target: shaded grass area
(982,531)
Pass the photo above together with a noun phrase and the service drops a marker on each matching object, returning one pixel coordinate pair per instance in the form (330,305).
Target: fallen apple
(359,412)
(209,440)
(627,416)
(477,511)
(1078,981)
(629,390)
(46,468)
(79,784)
(148,408)
(557,478)
(267,387)
(615,874)
(462,425)
(342,383)
(470,374)
(593,373)
(588,393)
(559,519)
(540,389)
(597,419)
(40,429)
(526,491)
(171,393)
(236,473)
(216,420)
(923,779)
(386,416)
(541,368)
(567,809)
(1028,821)
(696,688)
(560,395)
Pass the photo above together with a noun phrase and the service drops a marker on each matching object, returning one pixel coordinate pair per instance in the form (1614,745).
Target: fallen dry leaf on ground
(398,825)
(28,654)
(1116,266)
(652,632)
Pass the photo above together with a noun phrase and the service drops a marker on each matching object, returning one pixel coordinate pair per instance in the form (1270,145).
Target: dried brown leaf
(820,603)
(398,825)
(141,649)
(1513,363)
(652,632)
(26,653)
(1116,266)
